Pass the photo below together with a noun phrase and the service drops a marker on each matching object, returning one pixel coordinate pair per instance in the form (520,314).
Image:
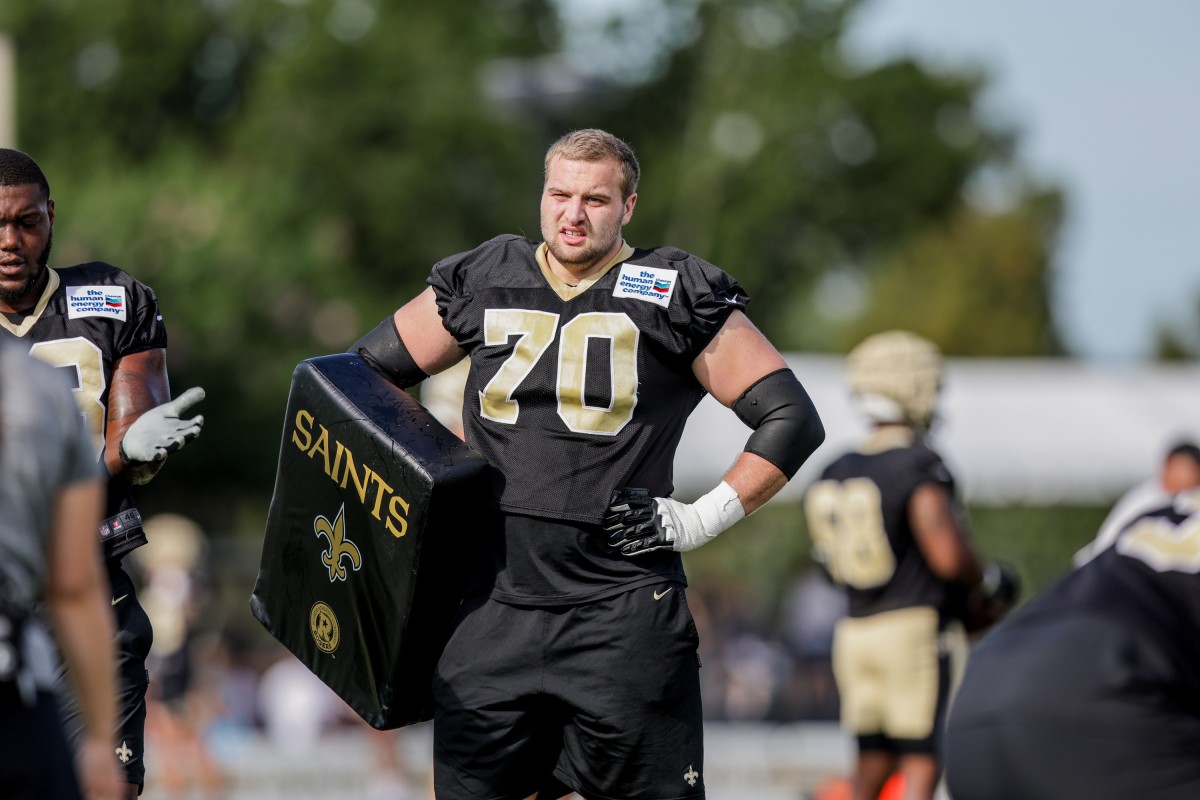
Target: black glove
(1001,585)
(995,596)
(638,523)
(632,523)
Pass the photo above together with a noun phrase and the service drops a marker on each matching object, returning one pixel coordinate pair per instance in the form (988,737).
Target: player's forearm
(84,631)
(786,431)
(75,600)
(949,554)
(139,383)
(969,569)
(755,480)
(637,523)
(941,535)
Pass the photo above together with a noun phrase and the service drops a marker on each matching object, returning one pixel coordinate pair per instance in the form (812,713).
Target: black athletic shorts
(134,637)
(603,698)
(35,761)
(1080,707)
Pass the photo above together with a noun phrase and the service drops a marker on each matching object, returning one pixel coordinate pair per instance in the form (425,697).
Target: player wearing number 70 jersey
(103,328)
(887,525)
(573,665)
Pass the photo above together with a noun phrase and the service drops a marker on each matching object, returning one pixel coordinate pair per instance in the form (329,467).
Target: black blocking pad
(375,504)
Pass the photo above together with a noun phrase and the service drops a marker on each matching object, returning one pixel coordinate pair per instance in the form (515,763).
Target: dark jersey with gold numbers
(88,318)
(574,391)
(858,520)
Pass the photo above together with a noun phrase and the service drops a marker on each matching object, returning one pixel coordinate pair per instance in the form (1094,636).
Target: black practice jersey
(1149,580)
(575,391)
(89,317)
(858,520)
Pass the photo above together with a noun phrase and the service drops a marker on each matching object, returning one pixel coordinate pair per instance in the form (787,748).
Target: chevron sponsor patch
(96,301)
(652,284)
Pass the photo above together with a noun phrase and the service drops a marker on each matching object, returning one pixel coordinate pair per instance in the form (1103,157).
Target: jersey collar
(33,316)
(889,437)
(566,291)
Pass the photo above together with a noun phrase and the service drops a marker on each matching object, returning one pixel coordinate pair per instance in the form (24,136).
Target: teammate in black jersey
(104,327)
(887,525)
(573,666)
(1092,689)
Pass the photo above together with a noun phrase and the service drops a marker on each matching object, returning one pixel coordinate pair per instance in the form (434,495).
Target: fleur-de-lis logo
(339,545)
(690,776)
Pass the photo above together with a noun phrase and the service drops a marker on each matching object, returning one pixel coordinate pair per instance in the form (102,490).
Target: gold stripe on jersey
(35,315)
(566,291)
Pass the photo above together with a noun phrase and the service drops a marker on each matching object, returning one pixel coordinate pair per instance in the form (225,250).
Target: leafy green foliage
(285,172)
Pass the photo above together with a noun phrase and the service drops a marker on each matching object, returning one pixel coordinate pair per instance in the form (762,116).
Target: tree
(790,166)
(281,174)
(1179,341)
(284,173)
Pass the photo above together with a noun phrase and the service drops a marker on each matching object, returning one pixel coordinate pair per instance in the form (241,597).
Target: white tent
(1030,431)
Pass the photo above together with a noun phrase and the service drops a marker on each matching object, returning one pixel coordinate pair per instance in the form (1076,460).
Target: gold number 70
(535,332)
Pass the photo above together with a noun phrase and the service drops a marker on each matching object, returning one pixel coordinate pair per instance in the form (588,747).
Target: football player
(573,664)
(1093,688)
(104,327)
(1180,470)
(887,525)
(50,495)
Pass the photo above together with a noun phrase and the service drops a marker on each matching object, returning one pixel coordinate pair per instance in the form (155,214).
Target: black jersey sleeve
(711,295)
(927,466)
(127,322)
(141,328)
(456,279)
(145,330)
(449,281)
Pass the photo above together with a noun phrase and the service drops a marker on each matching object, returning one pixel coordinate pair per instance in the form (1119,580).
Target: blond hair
(593,144)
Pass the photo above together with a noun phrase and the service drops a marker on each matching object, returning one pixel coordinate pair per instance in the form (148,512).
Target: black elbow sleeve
(787,428)
(384,350)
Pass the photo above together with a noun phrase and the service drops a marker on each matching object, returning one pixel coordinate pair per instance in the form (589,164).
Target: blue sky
(1106,96)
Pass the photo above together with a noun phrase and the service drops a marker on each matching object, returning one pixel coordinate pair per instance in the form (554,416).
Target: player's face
(1180,473)
(583,212)
(26,223)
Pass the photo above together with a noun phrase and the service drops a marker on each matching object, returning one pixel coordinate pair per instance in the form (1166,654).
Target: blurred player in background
(173,596)
(887,524)
(573,665)
(103,328)
(1092,690)
(1180,470)
(50,496)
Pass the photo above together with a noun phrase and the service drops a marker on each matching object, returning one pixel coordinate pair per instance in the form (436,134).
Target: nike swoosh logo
(116,600)
(662,594)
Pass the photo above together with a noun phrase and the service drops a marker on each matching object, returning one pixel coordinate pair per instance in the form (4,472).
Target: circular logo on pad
(324,626)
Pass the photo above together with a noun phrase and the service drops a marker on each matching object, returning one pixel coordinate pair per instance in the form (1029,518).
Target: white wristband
(690,525)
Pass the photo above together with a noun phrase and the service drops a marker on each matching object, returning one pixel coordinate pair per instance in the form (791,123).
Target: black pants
(603,698)
(134,637)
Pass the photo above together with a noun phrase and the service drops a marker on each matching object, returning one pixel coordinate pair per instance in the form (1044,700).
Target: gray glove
(161,431)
